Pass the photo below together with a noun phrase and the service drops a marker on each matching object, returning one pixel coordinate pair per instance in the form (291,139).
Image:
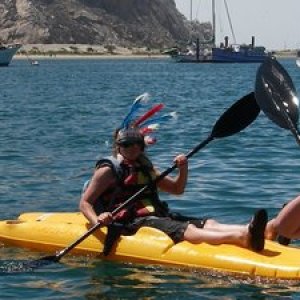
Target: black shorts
(173,228)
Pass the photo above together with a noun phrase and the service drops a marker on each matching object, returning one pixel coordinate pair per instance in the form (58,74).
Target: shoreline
(86,51)
(86,56)
(113,57)
(79,51)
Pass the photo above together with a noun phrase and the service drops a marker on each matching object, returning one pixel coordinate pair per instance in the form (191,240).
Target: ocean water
(57,119)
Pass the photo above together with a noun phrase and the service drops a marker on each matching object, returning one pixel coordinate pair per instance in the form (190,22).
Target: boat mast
(229,20)
(214,23)
(191,11)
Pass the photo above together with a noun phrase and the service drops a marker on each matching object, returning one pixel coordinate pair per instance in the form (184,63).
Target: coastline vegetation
(54,50)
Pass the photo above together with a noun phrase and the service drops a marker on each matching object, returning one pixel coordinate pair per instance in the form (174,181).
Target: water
(57,119)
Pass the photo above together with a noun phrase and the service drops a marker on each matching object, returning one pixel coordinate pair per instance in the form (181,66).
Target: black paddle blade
(276,94)
(241,114)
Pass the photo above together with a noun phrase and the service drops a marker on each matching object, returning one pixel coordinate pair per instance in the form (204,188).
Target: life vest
(130,178)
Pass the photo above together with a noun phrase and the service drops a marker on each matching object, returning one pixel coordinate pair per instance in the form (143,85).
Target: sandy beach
(79,51)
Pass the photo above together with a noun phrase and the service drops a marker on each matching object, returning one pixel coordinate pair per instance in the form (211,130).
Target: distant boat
(239,53)
(7,52)
(203,51)
(33,62)
(194,53)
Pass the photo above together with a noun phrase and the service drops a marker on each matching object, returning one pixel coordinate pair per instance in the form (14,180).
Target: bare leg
(251,235)
(219,227)
(196,235)
(287,222)
(271,232)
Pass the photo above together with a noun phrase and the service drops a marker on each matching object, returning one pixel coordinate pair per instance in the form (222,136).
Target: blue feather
(162,118)
(137,104)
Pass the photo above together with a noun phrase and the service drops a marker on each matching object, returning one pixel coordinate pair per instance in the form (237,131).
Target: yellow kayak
(51,232)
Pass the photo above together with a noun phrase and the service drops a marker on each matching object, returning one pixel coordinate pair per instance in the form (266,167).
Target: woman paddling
(129,169)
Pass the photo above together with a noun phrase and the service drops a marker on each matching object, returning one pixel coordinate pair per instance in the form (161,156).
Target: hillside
(124,23)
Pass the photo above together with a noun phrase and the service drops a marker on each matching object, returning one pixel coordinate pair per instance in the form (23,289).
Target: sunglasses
(130,144)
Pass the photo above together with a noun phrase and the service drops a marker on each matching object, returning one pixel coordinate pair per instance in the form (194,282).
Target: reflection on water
(91,278)
(155,282)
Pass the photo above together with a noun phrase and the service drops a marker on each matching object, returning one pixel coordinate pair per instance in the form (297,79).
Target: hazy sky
(274,23)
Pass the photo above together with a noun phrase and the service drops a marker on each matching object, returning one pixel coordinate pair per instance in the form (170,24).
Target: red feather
(148,114)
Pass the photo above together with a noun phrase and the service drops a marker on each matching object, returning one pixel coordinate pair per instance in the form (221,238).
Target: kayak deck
(50,232)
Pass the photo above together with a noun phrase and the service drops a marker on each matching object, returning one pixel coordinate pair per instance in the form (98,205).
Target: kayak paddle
(236,118)
(276,95)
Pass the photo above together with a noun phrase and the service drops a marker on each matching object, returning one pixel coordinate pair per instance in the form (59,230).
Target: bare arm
(101,180)
(176,185)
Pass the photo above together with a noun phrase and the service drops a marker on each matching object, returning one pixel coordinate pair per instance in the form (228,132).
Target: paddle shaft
(125,204)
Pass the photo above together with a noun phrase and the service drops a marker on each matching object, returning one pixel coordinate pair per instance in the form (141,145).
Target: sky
(274,23)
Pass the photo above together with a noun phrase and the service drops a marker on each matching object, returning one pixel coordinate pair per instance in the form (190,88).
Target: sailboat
(203,52)
(298,59)
(7,52)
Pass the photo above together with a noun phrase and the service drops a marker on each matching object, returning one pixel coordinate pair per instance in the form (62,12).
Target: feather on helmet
(139,127)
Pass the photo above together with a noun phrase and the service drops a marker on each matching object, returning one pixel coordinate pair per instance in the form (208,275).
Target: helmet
(130,135)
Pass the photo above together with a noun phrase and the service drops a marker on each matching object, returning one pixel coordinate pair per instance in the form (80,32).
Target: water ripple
(58,119)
